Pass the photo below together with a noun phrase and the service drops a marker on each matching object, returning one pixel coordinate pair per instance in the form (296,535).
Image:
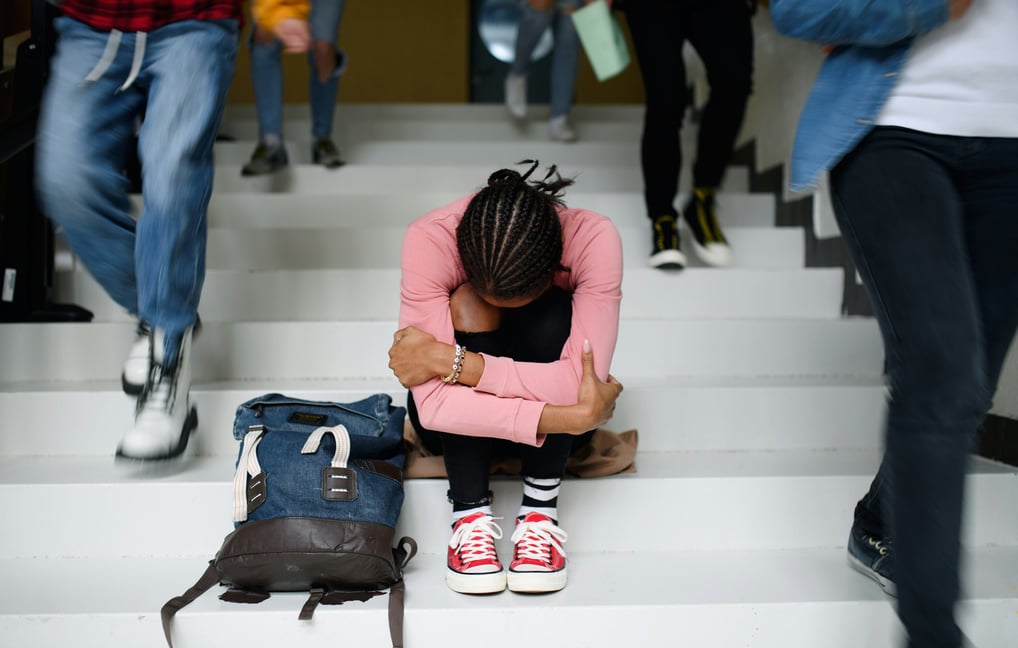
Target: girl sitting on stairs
(508,321)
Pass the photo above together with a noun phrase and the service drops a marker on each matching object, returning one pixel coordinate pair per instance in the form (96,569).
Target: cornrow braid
(510,237)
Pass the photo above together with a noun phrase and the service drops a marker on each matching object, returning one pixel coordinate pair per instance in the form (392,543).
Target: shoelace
(159,394)
(534,540)
(474,541)
(707,217)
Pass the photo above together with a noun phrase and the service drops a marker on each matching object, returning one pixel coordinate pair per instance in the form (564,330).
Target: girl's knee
(471,313)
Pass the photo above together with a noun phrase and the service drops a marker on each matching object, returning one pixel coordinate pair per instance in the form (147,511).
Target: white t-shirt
(962,78)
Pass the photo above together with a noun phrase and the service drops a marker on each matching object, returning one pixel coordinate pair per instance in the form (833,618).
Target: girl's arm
(517,412)
(858,22)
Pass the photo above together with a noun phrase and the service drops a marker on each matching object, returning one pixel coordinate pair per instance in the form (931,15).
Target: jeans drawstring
(110,53)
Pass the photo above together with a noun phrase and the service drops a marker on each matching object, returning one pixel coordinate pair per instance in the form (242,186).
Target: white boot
(164,417)
(135,372)
(516,95)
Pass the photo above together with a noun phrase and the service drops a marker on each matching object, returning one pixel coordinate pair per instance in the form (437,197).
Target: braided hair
(510,237)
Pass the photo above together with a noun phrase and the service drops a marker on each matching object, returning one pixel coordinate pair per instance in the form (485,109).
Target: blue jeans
(931,222)
(565,56)
(153,268)
(267,75)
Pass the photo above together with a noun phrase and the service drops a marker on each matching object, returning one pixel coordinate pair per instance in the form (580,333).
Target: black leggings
(721,33)
(532,333)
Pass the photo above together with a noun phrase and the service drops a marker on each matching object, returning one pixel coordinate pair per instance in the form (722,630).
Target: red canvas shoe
(474,567)
(539,561)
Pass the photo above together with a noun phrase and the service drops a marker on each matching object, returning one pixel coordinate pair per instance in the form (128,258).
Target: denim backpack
(317,494)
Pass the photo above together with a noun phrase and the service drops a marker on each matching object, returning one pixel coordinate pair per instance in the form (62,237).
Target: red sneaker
(474,567)
(539,561)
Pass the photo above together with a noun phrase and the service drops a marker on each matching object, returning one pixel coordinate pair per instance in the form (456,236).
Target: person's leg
(657,29)
(327,63)
(903,219)
(536,333)
(990,201)
(722,34)
(84,131)
(267,81)
(536,18)
(473,566)
(187,69)
(565,60)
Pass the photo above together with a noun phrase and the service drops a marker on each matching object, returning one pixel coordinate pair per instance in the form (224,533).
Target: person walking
(172,60)
(913,116)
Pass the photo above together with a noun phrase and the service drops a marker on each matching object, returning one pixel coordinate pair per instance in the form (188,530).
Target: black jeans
(721,33)
(931,222)
(532,333)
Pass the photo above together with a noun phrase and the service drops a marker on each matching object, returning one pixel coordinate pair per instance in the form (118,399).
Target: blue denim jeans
(565,56)
(931,222)
(267,75)
(153,268)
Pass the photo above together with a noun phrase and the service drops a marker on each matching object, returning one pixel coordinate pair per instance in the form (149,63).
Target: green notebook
(602,39)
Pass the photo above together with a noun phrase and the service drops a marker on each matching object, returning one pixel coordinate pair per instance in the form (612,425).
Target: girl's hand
(410,355)
(596,398)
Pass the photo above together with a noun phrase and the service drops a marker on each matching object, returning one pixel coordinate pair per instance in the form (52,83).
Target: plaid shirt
(147,15)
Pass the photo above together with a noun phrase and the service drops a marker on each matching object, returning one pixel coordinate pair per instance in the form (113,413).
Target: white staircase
(758,407)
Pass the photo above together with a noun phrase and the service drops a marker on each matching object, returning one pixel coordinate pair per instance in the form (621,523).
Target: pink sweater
(507,401)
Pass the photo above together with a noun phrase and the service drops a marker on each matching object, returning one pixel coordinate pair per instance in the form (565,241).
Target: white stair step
(354,149)
(718,501)
(677,415)
(366,294)
(438,112)
(281,350)
(324,211)
(381,247)
(445,123)
(402,178)
(709,599)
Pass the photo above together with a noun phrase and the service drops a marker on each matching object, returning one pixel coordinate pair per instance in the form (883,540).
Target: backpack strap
(404,550)
(207,580)
(397,596)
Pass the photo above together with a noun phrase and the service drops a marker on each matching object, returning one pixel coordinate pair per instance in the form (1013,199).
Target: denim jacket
(871,41)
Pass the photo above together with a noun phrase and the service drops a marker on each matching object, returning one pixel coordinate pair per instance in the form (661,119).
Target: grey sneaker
(265,159)
(325,153)
(516,95)
(559,129)
(872,557)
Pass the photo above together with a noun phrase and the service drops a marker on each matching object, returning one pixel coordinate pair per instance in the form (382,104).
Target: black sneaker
(873,557)
(325,153)
(265,159)
(709,241)
(665,253)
